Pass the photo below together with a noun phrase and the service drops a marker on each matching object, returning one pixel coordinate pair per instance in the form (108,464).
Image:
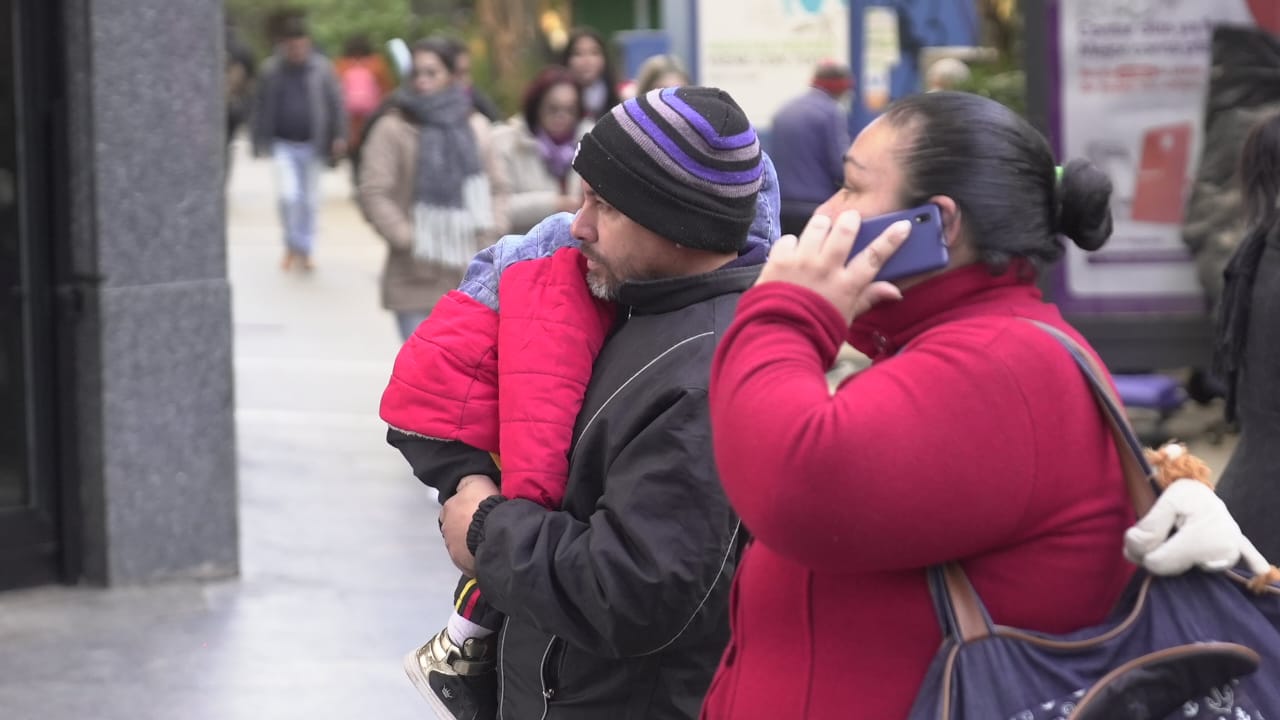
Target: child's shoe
(459,682)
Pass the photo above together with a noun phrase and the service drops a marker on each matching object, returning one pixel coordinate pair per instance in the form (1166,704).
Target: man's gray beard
(601,288)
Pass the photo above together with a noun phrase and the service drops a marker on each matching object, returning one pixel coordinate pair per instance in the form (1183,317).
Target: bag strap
(961,612)
(1139,477)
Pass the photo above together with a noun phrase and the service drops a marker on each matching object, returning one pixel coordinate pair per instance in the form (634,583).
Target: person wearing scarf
(533,153)
(557,153)
(451,192)
(424,185)
(1248,344)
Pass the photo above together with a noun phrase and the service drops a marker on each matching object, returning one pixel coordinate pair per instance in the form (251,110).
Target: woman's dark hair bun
(1084,205)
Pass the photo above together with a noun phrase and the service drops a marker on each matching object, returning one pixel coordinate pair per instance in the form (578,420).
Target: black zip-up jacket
(617,604)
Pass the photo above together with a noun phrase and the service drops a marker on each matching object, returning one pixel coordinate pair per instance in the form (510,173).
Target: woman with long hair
(424,185)
(587,57)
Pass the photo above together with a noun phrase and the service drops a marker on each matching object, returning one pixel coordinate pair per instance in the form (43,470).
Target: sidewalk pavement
(342,567)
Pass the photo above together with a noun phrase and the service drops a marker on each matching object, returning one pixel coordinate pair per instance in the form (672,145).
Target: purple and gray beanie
(682,162)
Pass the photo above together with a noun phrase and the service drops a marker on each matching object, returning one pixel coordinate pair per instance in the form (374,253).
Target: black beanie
(682,162)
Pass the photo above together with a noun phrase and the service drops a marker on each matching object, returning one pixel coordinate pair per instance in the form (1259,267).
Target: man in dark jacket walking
(616,603)
(810,136)
(299,121)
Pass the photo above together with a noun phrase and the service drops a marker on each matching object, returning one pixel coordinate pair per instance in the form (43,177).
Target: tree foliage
(506,45)
(333,21)
(1004,78)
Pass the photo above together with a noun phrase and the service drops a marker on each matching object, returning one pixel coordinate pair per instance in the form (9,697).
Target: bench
(1159,394)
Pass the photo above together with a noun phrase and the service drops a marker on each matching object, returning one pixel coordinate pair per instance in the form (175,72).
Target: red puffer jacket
(510,382)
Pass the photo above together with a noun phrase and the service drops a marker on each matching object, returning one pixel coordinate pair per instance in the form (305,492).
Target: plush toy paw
(1139,542)
(1190,548)
(1262,582)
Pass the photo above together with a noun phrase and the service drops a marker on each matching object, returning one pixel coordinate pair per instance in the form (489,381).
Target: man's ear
(950,218)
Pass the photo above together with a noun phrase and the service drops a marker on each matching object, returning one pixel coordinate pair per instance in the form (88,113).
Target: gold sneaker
(460,683)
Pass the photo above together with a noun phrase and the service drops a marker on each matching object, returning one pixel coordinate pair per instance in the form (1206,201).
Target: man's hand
(455,518)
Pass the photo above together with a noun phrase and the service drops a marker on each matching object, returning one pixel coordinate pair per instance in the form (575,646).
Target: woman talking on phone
(973,437)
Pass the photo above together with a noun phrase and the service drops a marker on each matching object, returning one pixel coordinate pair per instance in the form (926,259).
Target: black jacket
(1244,86)
(1248,484)
(618,603)
(328,118)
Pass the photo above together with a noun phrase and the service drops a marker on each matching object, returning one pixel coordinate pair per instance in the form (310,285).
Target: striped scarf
(452,204)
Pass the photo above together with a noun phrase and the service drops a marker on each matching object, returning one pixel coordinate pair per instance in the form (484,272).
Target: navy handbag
(1198,645)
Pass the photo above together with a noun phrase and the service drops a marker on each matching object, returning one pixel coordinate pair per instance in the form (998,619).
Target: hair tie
(1057,200)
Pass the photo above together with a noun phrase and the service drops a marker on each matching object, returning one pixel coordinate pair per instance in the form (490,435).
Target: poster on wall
(1133,75)
(763,51)
(881,53)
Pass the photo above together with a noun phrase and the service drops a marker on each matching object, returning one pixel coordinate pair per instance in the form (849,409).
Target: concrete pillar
(152,462)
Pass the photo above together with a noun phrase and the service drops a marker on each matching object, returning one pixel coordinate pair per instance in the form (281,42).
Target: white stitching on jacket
(732,539)
(639,372)
(733,542)
(542,678)
(502,654)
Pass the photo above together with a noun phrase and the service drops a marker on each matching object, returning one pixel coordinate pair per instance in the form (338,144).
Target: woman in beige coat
(533,152)
(424,185)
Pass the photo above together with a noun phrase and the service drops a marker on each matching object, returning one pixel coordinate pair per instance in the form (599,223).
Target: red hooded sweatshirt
(974,437)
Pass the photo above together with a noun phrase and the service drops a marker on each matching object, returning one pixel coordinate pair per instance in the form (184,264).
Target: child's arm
(440,464)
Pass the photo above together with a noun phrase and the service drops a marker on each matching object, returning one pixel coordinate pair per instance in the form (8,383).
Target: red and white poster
(1133,77)
(764,51)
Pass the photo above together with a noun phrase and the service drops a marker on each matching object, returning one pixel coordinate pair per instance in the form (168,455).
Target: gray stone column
(152,409)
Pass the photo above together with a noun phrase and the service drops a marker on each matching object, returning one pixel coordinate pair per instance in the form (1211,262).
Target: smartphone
(1162,175)
(923,250)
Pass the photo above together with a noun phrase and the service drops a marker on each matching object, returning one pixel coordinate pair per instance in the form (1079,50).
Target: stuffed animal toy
(1207,536)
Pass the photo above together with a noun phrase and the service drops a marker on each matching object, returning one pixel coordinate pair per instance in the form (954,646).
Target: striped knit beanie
(682,162)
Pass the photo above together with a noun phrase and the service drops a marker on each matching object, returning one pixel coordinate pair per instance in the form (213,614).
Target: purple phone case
(923,250)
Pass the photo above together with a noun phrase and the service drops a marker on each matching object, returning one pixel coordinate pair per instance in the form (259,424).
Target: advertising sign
(1133,75)
(881,52)
(763,52)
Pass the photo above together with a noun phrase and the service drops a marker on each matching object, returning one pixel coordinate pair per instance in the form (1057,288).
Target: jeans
(409,320)
(297,168)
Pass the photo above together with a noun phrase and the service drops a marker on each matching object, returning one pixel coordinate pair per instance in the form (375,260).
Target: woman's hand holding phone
(819,260)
